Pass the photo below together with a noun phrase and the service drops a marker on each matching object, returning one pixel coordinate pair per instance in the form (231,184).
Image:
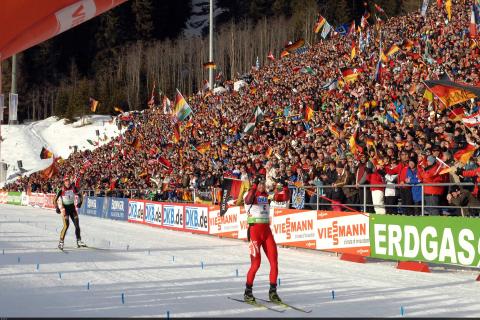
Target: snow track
(160,271)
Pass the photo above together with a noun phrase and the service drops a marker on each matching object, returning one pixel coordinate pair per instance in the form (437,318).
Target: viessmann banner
(446,240)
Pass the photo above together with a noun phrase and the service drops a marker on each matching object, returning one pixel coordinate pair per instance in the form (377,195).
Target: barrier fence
(434,239)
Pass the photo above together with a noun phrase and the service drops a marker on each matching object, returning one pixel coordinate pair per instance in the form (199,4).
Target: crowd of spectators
(285,148)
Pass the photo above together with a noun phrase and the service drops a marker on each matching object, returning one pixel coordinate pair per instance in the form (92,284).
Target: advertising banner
(224,226)
(48,201)
(294,227)
(343,232)
(446,240)
(196,219)
(242,223)
(173,216)
(153,213)
(117,209)
(3,197)
(136,210)
(92,206)
(14,198)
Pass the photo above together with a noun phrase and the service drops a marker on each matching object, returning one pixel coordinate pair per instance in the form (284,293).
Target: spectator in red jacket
(430,175)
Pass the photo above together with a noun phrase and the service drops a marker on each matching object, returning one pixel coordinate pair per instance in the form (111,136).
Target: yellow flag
(448,7)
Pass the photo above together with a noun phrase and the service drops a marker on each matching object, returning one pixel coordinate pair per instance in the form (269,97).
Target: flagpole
(210,47)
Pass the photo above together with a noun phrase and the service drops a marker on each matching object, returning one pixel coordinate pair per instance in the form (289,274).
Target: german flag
(284,53)
(400,144)
(319,24)
(319,130)
(268,152)
(350,74)
(176,133)
(51,170)
(308,113)
(118,109)
(353,50)
(353,143)
(393,49)
(383,57)
(334,130)
(93,105)
(370,141)
(465,154)
(412,89)
(451,93)
(428,95)
(408,44)
(473,25)
(457,114)
(45,153)
(210,65)
(203,147)
(294,46)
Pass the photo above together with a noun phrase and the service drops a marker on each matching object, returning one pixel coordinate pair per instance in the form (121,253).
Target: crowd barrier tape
(444,240)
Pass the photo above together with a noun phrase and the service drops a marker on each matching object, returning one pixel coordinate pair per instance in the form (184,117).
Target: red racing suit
(260,234)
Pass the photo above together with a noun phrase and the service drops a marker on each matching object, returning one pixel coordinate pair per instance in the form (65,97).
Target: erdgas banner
(446,240)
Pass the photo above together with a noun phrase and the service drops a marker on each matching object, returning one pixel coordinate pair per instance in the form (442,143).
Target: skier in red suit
(260,236)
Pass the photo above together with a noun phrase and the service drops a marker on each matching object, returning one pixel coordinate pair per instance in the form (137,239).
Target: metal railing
(366,203)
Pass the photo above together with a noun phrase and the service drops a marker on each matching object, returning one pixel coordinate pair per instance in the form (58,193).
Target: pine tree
(143,10)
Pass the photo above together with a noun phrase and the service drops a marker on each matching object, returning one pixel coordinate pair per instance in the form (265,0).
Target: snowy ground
(24,142)
(154,283)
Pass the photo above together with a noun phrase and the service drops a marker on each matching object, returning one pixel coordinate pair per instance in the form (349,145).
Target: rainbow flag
(182,109)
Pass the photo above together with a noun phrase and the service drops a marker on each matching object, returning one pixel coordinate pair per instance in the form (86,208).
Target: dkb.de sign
(431,239)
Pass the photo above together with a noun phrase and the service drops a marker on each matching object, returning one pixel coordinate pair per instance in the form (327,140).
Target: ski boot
(60,245)
(248,295)
(81,244)
(272,294)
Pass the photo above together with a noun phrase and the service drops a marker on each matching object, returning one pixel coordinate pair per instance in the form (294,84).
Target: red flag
(270,56)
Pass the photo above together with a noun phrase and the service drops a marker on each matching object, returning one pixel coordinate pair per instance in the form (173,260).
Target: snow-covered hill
(24,142)
(200,15)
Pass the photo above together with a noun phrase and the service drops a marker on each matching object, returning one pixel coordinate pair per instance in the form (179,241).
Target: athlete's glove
(57,210)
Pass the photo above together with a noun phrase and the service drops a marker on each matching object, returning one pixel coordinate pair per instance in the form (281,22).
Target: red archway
(26,23)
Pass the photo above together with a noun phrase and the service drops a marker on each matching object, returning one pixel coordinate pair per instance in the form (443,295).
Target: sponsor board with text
(343,232)
(445,240)
(196,219)
(136,210)
(173,216)
(226,226)
(294,227)
(153,213)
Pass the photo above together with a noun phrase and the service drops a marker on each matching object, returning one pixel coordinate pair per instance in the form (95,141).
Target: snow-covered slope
(24,142)
(200,15)
(138,261)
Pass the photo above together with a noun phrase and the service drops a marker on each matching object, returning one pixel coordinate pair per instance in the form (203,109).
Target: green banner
(14,198)
(446,240)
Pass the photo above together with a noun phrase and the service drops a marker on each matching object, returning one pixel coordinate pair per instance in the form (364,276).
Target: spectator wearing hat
(430,175)
(375,177)
(463,198)
(413,179)
(337,192)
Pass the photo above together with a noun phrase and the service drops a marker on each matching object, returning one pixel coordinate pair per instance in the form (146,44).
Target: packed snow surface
(160,271)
